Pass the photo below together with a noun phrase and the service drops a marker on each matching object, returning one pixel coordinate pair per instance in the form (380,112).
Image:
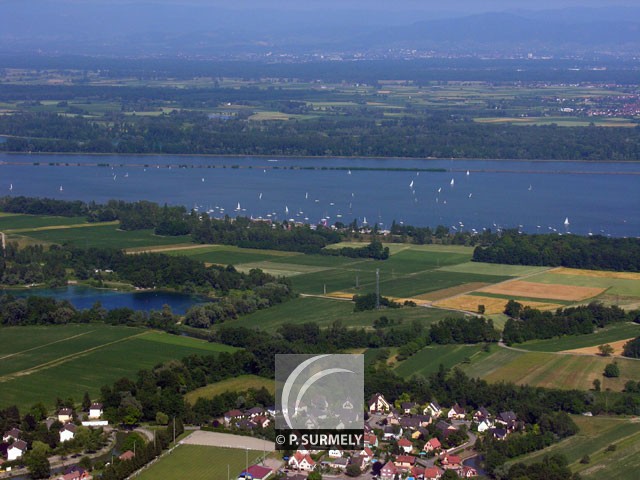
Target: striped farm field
(9,222)
(451,291)
(494,269)
(565,371)
(519,288)
(612,282)
(492,305)
(611,334)
(428,359)
(38,364)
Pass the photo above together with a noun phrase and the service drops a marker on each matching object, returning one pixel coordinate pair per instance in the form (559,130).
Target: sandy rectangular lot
(617,348)
(217,439)
(519,288)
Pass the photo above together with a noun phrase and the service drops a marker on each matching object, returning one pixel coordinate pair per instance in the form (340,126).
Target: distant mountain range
(61,26)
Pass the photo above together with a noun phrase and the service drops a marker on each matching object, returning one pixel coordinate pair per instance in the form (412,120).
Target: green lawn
(200,463)
(106,236)
(596,434)
(237,384)
(570,342)
(229,255)
(325,311)
(428,359)
(41,371)
(14,222)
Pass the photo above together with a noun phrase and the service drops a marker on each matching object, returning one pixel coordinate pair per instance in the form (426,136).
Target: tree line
(595,252)
(357,133)
(529,323)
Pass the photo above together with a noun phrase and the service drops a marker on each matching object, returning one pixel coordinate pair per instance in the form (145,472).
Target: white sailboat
(467,173)
(439,189)
(238,207)
(530,187)
(566,222)
(306,195)
(286,209)
(470,195)
(349,172)
(452,182)
(61,188)
(411,184)
(10,186)
(203,179)
(260,196)
(364,221)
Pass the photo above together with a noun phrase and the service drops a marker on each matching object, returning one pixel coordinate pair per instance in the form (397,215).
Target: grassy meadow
(429,359)
(237,384)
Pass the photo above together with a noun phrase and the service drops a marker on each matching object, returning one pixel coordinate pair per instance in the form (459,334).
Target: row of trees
(596,252)
(373,250)
(529,323)
(359,133)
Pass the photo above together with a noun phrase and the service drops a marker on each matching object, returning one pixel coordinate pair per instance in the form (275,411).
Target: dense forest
(529,323)
(597,252)
(440,136)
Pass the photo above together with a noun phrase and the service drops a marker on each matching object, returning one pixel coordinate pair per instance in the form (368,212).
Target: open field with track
(237,384)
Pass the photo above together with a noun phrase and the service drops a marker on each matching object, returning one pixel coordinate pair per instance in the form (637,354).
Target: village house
(405,445)
(508,419)
(359,461)
(390,432)
(425,420)
(468,472)
(410,423)
(481,414)
(13,434)
(370,440)
(261,421)
(388,472)
(339,463)
(335,453)
(451,462)
(232,415)
(420,433)
(432,473)
(432,445)
(254,412)
(75,473)
(393,417)
(406,407)
(16,450)
(67,432)
(405,462)
(456,412)
(485,425)
(433,409)
(366,454)
(445,428)
(256,472)
(65,415)
(498,433)
(378,404)
(302,462)
(95,410)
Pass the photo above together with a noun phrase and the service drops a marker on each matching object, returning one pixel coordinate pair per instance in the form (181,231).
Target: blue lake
(595,197)
(85,297)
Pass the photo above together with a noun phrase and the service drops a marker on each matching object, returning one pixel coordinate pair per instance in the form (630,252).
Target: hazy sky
(429,5)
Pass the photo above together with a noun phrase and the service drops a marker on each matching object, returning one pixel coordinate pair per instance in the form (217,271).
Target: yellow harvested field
(450,292)
(617,348)
(492,305)
(519,288)
(597,273)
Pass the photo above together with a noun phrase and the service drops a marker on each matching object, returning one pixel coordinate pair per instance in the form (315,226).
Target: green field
(494,269)
(229,255)
(552,370)
(200,463)
(428,359)
(237,384)
(325,311)
(19,222)
(570,342)
(105,236)
(42,363)
(596,434)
